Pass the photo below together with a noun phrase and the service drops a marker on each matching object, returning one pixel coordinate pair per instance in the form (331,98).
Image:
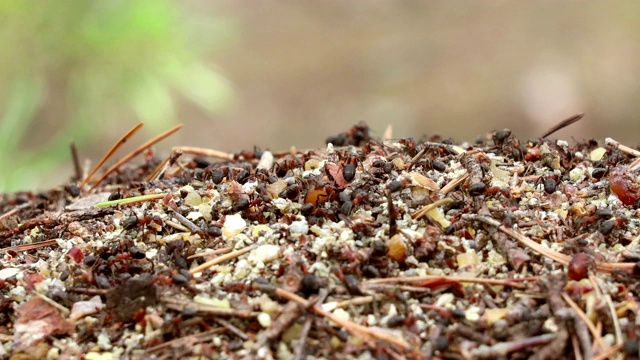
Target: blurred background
(281,74)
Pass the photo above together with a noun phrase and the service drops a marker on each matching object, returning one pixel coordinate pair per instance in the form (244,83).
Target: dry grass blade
(136,152)
(221,259)
(131,200)
(113,149)
(204,152)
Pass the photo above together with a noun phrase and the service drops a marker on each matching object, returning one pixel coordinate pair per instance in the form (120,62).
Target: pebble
(233,225)
(264,254)
(299,227)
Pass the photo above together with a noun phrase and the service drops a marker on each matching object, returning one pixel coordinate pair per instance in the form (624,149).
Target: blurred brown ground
(304,70)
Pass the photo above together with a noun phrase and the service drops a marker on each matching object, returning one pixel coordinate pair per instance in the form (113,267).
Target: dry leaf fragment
(38,319)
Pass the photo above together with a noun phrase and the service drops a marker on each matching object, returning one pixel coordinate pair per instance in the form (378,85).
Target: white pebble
(233,225)
(264,319)
(264,254)
(299,227)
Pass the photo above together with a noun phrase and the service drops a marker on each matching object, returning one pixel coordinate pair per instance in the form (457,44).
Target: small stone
(299,227)
(264,254)
(233,225)
(264,319)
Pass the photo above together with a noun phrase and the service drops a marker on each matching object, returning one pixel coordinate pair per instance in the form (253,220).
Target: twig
(504,348)
(576,347)
(164,165)
(554,255)
(290,313)
(462,279)
(14,210)
(239,333)
(188,223)
(113,149)
(185,340)
(76,161)
(625,149)
(608,353)
(584,318)
(422,212)
(355,301)
(454,183)
(176,225)
(322,295)
(393,226)
(223,258)
(180,305)
(564,123)
(614,317)
(361,331)
(51,302)
(204,152)
(27,247)
(213,252)
(135,152)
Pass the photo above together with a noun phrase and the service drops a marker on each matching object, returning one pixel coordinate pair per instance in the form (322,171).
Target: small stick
(393,226)
(214,252)
(576,347)
(614,317)
(554,255)
(322,295)
(358,330)
(290,313)
(188,223)
(176,225)
(452,184)
(355,301)
(164,165)
(608,353)
(221,259)
(585,318)
(185,340)
(180,305)
(14,210)
(88,291)
(204,152)
(135,152)
(27,247)
(76,161)
(422,212)
(462,279)
(239,333)
(62,309)
(625,149)
(504,348)
(113,149)
(564,123)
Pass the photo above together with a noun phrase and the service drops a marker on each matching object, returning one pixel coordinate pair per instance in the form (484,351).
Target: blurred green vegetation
(95,62)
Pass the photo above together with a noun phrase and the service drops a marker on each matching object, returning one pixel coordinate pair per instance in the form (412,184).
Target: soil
(361,249)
